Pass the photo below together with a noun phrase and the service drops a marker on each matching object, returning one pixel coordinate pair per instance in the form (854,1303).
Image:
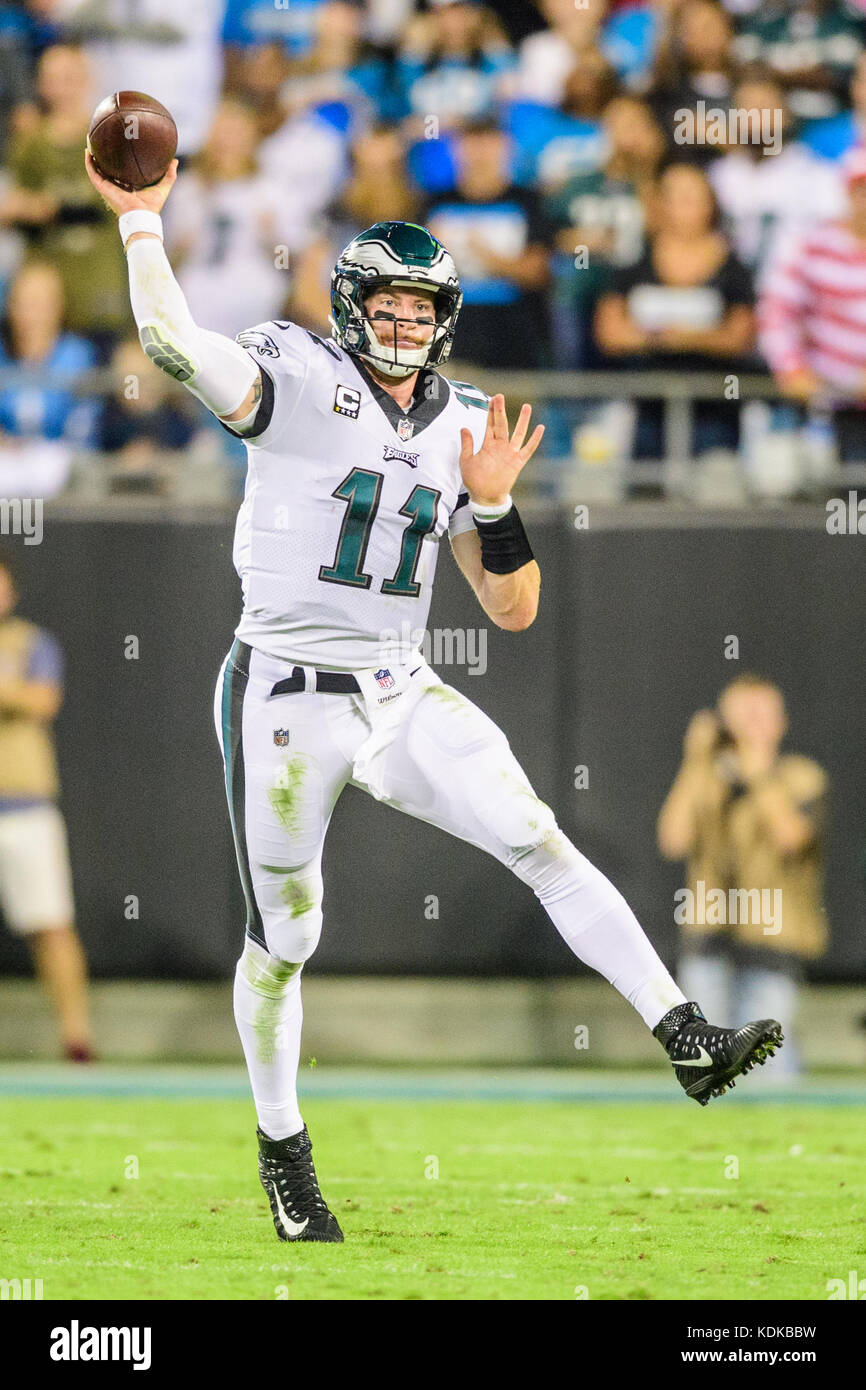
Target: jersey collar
(431,396)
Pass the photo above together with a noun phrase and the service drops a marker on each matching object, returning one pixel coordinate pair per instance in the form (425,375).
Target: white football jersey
(347,498)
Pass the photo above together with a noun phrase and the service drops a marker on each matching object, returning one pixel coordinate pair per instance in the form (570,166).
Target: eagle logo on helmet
(401,254)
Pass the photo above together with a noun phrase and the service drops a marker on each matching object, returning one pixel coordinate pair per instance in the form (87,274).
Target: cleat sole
(310,1240)
(765,1047)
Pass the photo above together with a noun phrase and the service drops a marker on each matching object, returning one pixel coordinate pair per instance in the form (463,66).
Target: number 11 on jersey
(362,489)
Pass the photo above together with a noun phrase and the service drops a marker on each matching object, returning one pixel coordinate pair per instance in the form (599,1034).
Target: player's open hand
(119,200)
(490,474)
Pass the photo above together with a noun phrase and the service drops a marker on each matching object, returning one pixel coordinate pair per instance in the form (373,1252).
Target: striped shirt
(812,312)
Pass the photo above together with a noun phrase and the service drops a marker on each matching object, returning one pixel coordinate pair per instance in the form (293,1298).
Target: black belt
(327,682)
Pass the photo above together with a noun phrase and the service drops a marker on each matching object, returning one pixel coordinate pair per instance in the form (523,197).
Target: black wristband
(504,543)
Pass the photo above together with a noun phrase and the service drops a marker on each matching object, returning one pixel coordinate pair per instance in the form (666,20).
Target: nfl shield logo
(281,737)
(383,678)
(405,429)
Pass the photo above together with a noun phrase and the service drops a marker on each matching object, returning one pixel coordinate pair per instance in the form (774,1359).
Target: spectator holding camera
(749,822)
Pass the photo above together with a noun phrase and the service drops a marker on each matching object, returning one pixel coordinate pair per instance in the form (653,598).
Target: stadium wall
(637,611)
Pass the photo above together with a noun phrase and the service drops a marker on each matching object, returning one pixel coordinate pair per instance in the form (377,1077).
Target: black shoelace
(297,1185)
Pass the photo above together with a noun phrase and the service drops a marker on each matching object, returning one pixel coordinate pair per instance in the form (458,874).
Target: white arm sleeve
(212,367)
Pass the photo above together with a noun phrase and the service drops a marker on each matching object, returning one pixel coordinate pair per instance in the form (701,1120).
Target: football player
(362,456)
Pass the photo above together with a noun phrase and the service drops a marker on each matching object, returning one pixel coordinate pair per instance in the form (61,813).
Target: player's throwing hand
(490,473)
(119,200)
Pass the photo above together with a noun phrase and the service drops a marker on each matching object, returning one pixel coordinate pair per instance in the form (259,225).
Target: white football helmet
(404,255)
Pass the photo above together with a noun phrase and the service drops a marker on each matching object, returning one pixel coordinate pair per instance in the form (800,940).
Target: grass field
(157,1197)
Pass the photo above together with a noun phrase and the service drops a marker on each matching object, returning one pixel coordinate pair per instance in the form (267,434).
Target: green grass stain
(557,845)
(294,891)
(270,982)
(298,897)
(447,695)
(285,795)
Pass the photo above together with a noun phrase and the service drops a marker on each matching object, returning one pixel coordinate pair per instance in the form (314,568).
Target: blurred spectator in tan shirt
(749,821)
(35,879)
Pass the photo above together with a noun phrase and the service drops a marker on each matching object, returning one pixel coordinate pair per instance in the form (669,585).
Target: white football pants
(420,746)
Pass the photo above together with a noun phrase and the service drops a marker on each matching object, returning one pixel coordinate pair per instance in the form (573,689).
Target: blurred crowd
(673,184)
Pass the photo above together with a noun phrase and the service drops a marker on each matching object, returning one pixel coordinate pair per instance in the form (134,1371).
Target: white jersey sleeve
(461,518)
(281,351)
(475,402)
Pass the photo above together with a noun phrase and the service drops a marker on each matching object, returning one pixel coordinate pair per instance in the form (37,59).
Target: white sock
(596,922)
(268,1014)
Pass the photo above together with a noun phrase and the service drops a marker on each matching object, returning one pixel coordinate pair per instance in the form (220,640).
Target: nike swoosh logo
(291,1228)
(705,1060)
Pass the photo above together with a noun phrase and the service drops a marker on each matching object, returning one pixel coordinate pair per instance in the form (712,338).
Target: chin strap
(398,369)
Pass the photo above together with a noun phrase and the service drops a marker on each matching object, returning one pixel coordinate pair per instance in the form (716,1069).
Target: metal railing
(676,472)
(554,474)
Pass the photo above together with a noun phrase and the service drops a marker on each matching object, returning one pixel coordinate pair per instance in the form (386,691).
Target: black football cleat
(706,1058)
(287,1174)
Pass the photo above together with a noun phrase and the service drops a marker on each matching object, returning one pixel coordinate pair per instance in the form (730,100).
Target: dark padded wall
(629,641)
(651,610)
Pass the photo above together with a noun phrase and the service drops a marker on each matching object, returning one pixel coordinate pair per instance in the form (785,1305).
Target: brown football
(132,139)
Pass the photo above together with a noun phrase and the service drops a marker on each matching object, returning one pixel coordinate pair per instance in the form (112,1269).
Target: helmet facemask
(404,256)
(397,361)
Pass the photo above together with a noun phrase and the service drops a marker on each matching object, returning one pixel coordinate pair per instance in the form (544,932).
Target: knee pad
(290,903)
